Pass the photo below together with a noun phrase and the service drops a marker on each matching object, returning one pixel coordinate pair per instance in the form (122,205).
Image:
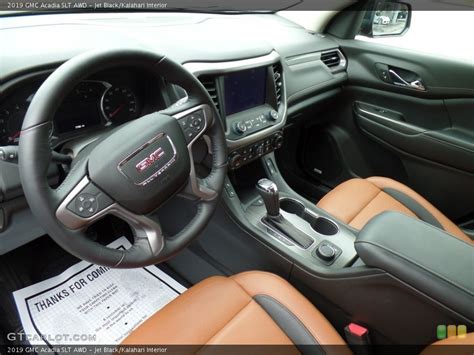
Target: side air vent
(209,83)
(334,59)
(331,59)
(278,79)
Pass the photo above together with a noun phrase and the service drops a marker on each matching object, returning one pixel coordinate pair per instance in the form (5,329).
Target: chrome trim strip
(291,241)
(391,120)
(201,68)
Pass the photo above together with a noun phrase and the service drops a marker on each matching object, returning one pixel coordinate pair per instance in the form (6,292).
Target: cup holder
(324,226)
(293,207)
(321,225)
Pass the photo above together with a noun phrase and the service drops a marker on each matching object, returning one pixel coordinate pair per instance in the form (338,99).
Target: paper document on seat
(91,304)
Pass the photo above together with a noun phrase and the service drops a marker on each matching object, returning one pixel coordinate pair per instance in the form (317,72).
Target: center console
(250,96)
(316,238)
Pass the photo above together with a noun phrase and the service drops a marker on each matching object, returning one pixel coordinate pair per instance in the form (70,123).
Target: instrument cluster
(107,99)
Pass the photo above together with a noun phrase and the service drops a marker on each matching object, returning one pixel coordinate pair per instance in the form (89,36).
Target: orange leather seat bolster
(262,283)
(357,201)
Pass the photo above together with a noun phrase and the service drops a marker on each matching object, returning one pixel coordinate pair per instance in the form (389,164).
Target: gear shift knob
(269,193)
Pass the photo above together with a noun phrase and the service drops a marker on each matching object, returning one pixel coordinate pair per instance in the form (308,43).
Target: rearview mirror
(387,18)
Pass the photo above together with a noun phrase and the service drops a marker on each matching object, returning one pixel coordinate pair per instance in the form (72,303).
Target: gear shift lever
(269,193)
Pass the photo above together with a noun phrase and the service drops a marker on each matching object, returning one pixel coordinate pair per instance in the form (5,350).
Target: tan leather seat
(248,308)
(357,201)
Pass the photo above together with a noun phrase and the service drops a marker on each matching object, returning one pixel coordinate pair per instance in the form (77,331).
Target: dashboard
(261,70)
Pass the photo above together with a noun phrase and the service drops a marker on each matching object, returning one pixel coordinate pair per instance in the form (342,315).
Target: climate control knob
(273,115)
(240,128)
(235,160)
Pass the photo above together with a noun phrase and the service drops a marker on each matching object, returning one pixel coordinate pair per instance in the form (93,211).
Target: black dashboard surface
(30,42)
(33,46)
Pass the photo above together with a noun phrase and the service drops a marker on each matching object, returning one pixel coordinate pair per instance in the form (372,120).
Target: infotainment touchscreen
(244,89)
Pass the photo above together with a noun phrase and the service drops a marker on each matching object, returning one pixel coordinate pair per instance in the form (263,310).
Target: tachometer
(119,105)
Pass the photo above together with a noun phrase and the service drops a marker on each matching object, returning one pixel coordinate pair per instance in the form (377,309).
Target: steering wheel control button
(327,252)
(183,122)
(197,121)
(192,125)
(89,202)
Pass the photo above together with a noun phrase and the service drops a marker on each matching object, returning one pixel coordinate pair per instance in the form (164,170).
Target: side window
(440,33)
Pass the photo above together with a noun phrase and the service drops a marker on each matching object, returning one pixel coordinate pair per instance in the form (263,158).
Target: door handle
(416,84)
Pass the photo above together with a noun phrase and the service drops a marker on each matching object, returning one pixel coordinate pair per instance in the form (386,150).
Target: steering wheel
(130,172)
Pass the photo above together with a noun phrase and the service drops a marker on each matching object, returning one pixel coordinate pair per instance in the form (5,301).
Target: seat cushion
(246,309)
(357,201)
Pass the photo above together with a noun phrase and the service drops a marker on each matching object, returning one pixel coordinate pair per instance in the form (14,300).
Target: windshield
(212,6)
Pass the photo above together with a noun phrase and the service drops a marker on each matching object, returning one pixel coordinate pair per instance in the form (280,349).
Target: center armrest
(425,257)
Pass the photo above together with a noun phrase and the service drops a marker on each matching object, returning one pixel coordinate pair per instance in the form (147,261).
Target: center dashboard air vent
(278,79)
(209,82)
(334,60)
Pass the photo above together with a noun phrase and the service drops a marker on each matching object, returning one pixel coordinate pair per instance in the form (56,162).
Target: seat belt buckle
(358,339)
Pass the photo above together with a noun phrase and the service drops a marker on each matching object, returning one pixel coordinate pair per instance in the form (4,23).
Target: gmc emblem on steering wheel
(150,160)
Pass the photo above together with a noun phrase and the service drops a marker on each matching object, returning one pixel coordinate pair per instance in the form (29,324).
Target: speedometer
(119,105)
